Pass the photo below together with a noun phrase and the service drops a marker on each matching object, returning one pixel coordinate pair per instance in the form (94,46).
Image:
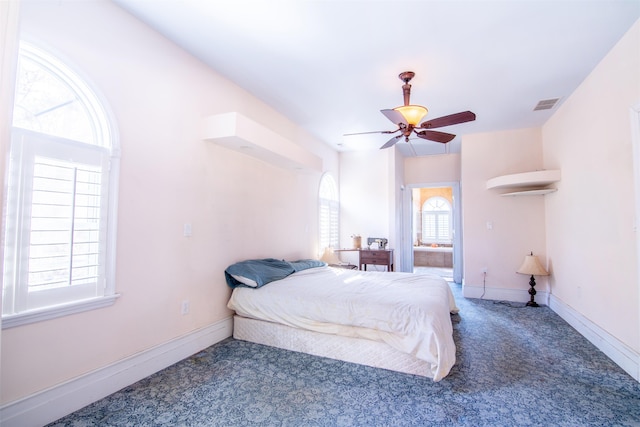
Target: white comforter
(410,312)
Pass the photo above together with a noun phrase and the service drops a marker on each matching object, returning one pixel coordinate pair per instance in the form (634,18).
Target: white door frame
(407,225)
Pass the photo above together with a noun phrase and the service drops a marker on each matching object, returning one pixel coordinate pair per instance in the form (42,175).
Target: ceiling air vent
(546,104)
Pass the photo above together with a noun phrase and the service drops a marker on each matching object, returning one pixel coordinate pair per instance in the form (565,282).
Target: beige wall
(590,236)
(432,169)
(365,201)
(239,207)
(499,231)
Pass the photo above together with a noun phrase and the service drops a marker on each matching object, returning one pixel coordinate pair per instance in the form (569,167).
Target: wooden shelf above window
(526,183)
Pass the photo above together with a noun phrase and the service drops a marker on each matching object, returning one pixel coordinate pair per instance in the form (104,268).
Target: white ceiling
(331,66)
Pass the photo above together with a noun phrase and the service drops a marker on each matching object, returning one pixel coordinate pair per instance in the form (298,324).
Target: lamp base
(532,292)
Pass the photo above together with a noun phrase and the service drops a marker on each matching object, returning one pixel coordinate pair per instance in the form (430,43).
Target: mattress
(408,312)
(355,350)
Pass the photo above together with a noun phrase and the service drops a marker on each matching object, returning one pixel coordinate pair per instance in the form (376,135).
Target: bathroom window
(329,214)
(62,181)
(437,221)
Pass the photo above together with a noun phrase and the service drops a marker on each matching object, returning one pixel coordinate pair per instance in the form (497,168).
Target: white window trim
(107,137)
(48,313)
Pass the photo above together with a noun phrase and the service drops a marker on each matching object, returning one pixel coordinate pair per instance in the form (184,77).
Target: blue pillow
(303,264)
(255,273)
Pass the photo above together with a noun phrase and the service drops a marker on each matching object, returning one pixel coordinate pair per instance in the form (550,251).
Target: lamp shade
(330,257)
(412,113)
(532,266)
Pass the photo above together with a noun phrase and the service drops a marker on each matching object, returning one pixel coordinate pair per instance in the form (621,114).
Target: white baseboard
(620,353)
(624,356)
(503,294)
(49,405)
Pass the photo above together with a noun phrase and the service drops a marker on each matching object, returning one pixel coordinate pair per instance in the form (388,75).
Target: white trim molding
(48,313)
(503,294)
(634,113)
(49,405)
(624,356)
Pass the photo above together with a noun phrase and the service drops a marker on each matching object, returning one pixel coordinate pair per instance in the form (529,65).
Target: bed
(391,320)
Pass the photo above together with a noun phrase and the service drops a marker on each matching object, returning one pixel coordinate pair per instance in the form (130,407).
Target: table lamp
(330,257)
(532,266)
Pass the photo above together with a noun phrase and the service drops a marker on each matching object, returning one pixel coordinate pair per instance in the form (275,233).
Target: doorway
(432,242)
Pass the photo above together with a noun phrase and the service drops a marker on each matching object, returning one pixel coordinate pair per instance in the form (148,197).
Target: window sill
(40,315)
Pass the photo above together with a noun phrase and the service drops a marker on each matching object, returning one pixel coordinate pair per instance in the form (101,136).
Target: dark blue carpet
(516,366)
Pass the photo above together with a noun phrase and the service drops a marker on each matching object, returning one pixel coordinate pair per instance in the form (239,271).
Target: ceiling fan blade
(433,135)
(391,142)
(452,119)
(375,131)
(395,116)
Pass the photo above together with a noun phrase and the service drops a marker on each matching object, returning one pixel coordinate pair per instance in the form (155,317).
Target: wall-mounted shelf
(239,133)
(526,183)
(538,192)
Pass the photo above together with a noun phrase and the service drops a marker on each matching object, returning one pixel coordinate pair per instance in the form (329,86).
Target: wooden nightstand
(376,257)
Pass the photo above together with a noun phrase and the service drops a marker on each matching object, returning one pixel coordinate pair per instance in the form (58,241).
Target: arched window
(52,99)
(62,183)
(329,214)
(437,221)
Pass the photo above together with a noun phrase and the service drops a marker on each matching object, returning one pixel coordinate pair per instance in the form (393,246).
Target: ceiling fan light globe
(413,114)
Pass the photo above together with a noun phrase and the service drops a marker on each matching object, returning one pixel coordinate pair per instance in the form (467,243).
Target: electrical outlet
(484,270)
(185,307)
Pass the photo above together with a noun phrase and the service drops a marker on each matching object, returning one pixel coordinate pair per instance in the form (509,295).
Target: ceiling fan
(408,116)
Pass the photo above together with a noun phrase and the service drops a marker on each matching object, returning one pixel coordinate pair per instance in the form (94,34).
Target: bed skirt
(354,350)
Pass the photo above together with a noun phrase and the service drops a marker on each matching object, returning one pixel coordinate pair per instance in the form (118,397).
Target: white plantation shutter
(333,223)
(429,222)
(329,214)
(325,220)
(65,224)
(444,227)
(436,221)
(62,218)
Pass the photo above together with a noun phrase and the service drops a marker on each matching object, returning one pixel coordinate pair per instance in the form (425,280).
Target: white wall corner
(49,405)
(624,356)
